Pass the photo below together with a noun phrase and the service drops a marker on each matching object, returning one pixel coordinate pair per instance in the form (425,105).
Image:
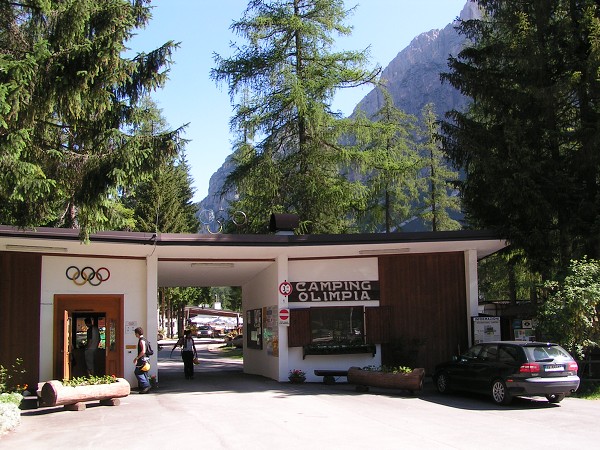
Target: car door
(461,370)
(485,368)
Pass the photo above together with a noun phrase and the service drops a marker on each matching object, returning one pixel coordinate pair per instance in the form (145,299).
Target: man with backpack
(142,362)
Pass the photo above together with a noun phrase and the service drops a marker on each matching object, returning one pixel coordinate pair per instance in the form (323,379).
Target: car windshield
(548,353)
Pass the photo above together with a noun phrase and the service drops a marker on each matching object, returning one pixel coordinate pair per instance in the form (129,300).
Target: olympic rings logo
(87,275)
(214,224)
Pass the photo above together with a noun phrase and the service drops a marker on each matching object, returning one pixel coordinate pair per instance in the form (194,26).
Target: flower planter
(54,393)
(297,380)
(412,381)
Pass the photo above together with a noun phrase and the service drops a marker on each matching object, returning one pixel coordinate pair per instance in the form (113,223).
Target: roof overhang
(232,260)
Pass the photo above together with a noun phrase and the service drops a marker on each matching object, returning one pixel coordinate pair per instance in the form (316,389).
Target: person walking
(93,340)
(188,353)
(140,361)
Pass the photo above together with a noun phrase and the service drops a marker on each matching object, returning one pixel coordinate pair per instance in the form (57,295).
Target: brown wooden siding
(377,324)
(427,297)
(299,329)
(20,290)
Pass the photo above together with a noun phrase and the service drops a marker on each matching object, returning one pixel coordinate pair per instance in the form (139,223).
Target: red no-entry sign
(284,316)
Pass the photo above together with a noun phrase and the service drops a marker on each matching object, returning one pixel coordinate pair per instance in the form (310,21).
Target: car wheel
(442,383)
(500,393)
(555,398)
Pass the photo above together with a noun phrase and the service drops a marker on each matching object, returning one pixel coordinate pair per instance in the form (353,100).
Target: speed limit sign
(285,288)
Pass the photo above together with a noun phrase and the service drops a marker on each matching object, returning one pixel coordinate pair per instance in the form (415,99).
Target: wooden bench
(329,376)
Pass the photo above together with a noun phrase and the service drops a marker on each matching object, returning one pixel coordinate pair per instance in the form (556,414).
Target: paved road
(222,408)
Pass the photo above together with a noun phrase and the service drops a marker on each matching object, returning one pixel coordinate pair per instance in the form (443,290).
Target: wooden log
(412,381)
(54,393)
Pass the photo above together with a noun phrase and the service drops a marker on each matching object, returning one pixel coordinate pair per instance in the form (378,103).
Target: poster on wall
(271,330)
(486,329)
(524,330)
(255,329)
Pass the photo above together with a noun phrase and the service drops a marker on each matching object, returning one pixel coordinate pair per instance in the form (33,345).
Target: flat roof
(180,255)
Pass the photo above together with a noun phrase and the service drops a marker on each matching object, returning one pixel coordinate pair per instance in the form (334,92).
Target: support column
(282,302)
(151,329)
(472,289)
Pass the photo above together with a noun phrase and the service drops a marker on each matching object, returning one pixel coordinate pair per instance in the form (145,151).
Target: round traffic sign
(285,288)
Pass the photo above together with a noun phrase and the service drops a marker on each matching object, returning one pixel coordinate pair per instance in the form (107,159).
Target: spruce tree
(67,99)
(528,145)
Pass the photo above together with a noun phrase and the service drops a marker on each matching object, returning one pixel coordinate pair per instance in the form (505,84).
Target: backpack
(149,351)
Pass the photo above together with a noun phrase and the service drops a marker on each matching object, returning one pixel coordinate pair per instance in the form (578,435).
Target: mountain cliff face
(413,76)
(413,80)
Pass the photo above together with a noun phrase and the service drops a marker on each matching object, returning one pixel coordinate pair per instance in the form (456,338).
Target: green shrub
(89,381)
(388,369)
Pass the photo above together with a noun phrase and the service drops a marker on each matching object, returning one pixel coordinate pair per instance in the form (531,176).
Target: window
(337,326)
(508,355)
(489,353)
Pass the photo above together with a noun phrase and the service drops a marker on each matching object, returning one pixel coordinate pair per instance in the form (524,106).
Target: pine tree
(284,80)
(528,145)
(67,97)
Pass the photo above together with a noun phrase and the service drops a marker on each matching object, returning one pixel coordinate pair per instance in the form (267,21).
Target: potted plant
(297,376)
(400,377)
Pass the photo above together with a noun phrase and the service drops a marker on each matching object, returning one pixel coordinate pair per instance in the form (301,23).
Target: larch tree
(67,99)
(529,143)
(440,179)
(282,82)
(386,153)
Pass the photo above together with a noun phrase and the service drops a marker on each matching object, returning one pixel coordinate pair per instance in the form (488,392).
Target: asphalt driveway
(222,408)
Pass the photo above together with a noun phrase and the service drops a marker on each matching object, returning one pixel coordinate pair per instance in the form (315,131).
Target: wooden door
(67,346)
(111,307)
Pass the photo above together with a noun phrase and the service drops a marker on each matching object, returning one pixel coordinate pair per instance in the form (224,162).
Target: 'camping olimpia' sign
(334,291)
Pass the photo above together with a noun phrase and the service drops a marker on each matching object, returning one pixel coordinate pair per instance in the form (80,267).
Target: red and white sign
(285,288)
(284,316)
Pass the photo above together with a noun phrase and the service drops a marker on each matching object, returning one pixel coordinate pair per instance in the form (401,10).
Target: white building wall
(472,283)
(258,293)
(127,277)
(356,269)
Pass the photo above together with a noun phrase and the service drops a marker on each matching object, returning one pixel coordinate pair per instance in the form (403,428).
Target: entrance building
(309,302)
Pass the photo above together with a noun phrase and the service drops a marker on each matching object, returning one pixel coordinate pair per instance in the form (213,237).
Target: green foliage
(8,374)
(69,101)
(387,158)
(282,83)
(506,275)
(90,380)
(588,389)
(388,369)
(528,144)
(440,179)
(570,314)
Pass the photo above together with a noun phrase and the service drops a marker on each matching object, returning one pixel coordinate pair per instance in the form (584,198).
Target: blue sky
(202,28)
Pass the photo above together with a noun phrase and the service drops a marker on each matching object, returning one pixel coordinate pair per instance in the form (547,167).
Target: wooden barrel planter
(412,381)
(54,393)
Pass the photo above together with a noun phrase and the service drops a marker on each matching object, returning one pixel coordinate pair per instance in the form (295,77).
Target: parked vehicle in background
(205,331)
(505,369)
(238,341)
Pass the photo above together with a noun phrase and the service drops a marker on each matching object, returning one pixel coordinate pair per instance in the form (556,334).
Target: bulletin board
(271,330)
(255,327)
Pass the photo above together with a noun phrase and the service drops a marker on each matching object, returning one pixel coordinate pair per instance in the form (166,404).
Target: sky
(202,27)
